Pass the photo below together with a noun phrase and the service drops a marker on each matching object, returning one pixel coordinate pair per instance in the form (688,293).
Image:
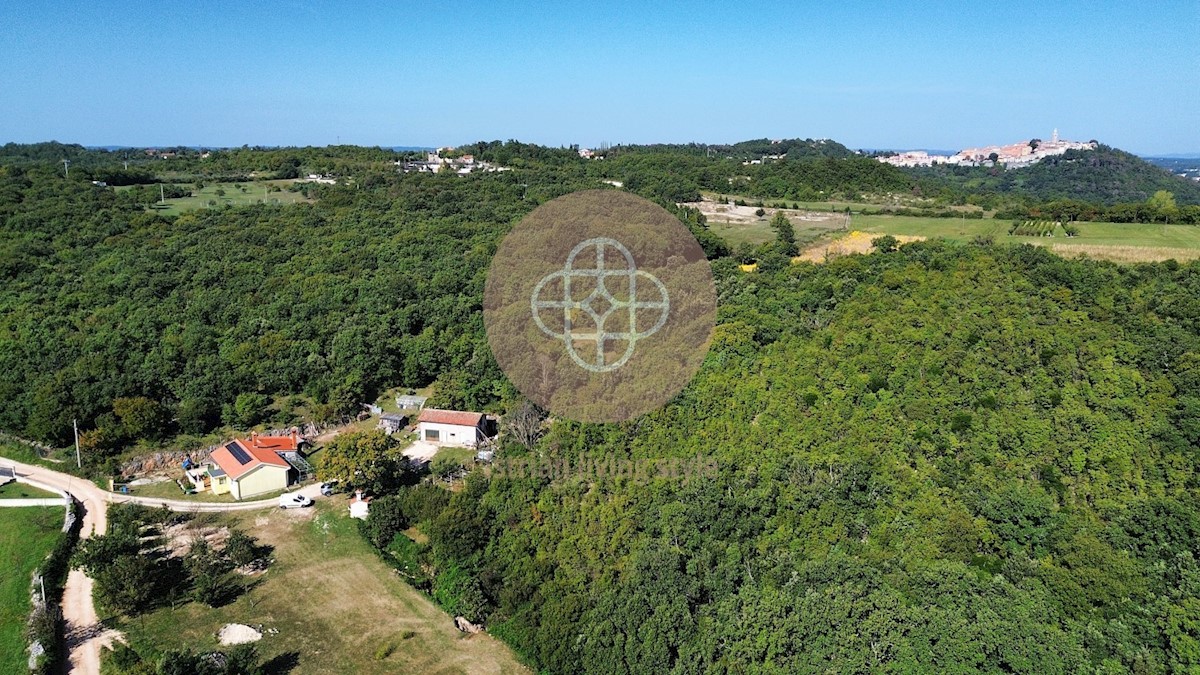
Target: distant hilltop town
(1012,156)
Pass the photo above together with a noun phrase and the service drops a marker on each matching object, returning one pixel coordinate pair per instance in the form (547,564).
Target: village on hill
(1012,156)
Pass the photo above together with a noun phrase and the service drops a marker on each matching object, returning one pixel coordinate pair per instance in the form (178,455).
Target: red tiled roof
(255,457)
(277,443)
(465,419)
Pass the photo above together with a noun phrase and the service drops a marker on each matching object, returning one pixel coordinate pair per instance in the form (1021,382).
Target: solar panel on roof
(238,453)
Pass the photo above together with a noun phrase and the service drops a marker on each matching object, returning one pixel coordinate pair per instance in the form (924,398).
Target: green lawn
(60,460)
(26,537)
(1095,236)
(334,603)
(15,490)
(235,194)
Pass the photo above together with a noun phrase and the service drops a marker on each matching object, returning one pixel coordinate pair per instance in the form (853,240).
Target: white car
(294,501)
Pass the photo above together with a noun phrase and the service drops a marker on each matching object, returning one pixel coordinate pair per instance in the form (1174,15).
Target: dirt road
(85,634)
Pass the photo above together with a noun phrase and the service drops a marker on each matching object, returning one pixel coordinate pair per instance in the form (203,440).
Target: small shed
(391,423)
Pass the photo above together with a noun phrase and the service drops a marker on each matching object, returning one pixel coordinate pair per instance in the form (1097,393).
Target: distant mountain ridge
(1173,155)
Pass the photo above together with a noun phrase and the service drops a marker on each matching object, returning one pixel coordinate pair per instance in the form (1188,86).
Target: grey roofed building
(392,422)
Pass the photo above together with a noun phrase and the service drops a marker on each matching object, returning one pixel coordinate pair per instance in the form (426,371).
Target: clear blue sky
(875,75)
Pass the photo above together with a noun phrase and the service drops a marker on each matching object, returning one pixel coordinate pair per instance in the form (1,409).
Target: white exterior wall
(450,434)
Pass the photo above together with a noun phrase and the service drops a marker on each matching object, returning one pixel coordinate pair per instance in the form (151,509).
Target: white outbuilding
(359,506)
(450,427)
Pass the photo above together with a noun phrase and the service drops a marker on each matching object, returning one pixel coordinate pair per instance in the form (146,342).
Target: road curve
(85,635)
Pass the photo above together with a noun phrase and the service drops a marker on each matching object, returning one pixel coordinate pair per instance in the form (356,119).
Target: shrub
(384,650)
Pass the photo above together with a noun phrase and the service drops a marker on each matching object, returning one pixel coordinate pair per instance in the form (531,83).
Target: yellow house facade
(259,481)
(250,468)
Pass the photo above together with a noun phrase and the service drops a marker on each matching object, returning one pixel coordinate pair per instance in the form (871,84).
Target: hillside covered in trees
(933,458)
(1104,176)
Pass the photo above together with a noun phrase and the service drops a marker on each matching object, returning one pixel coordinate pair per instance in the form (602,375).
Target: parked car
(326,489)
(294,500)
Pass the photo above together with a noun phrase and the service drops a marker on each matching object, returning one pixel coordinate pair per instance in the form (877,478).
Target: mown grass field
(235,194)
(26,537)
(335,604)
(15,490)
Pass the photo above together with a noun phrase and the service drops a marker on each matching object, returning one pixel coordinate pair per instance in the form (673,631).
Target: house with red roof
(451,427)
(255,466)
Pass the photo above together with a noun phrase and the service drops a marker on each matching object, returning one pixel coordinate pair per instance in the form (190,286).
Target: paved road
(84,632)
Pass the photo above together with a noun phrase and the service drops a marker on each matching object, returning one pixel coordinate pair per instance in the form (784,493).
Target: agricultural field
(1120,242)
(336,607)
(890,201)
(1123,242)
(26,536)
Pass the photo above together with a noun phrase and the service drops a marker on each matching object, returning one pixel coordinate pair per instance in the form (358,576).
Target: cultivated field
(1120,242)
(335,604)
(854,242)
(26,535)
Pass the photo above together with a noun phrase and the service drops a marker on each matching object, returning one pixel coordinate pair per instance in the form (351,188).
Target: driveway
(422,451)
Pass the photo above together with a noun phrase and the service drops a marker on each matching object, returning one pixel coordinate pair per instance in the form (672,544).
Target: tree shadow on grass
(228,588)
(282,664)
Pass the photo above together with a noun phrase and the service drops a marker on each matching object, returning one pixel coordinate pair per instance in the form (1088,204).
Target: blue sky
(871,75)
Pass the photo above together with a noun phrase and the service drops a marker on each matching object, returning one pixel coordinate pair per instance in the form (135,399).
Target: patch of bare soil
(729,213)
(178,538)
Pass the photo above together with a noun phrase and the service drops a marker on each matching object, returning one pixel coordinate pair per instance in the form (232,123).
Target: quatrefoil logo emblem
(601,300)
(599,306)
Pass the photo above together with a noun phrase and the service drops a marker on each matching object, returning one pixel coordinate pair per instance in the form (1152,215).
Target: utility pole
(66,171)
(78,460)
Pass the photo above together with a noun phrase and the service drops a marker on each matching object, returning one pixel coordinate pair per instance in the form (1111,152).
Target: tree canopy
(936,457)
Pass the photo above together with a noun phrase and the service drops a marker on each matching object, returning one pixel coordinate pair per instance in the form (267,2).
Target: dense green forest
(932,458)
(127,320)
(939,458)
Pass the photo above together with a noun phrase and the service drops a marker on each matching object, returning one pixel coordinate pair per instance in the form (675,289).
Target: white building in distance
(1012,156)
